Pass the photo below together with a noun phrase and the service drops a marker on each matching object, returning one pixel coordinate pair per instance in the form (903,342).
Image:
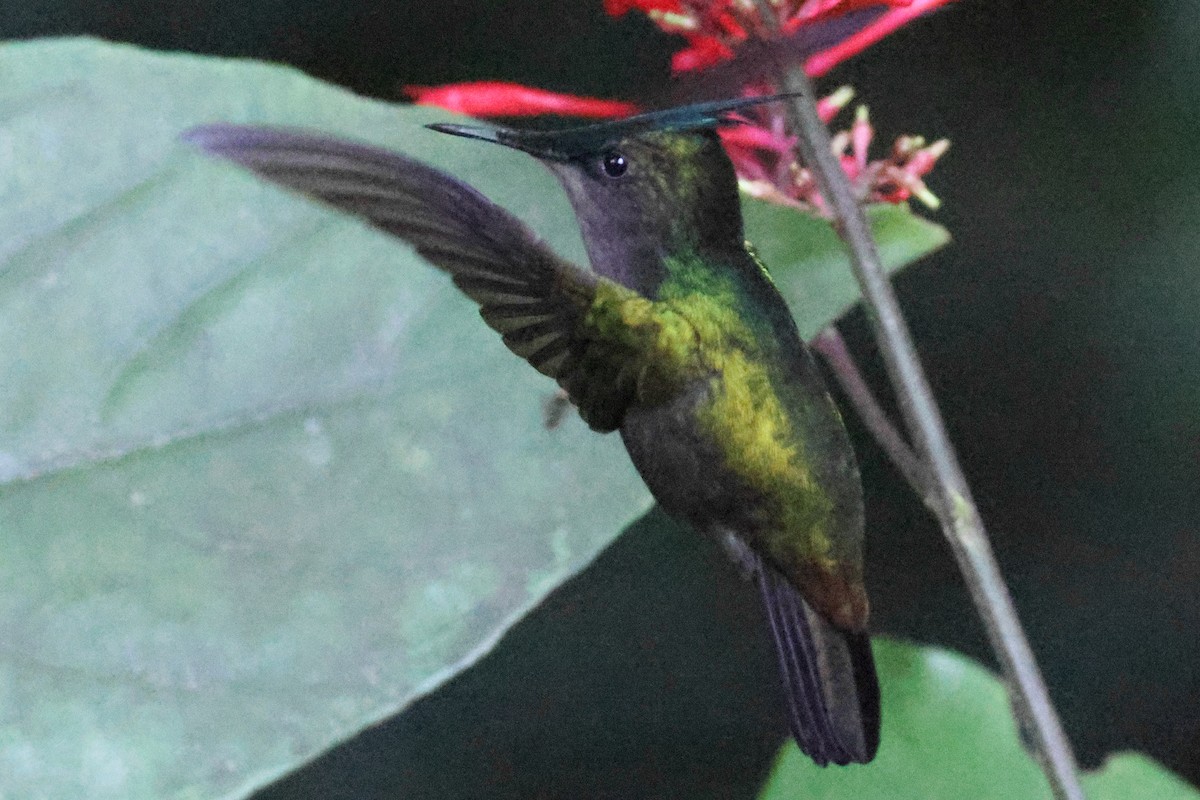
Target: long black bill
(526,141)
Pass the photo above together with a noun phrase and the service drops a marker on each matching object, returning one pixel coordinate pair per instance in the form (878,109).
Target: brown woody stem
(832,347)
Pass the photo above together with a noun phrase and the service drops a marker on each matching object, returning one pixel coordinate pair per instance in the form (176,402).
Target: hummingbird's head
(643,187)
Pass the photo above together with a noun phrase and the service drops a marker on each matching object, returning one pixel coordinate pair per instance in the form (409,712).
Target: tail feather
(797,660)
(828,675)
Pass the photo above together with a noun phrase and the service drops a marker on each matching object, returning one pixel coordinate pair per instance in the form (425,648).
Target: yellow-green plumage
(700,328)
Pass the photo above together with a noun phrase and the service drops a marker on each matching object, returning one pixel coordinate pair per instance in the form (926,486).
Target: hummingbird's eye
(614,165)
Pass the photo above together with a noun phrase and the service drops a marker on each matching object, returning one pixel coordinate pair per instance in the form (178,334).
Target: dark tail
(828,675)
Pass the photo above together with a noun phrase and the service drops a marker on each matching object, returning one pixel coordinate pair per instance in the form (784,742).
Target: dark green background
(1059,330)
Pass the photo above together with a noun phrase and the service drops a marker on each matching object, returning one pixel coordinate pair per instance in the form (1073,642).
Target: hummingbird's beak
(467,131)
(517,140)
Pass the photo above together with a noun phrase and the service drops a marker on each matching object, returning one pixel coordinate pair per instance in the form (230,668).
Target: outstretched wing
(549,311)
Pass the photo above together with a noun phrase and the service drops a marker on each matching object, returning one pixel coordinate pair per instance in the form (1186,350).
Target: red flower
(616,8)
(761,149)
(715,28)
(820,63)
(500,99)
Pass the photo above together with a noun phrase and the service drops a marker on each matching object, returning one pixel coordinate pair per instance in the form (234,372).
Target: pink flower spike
(861,134)
(755,137)
(851,167)
(831,105)
(501,99)
(747,168)
(905,146)
(906,185)
(923,160)
(765,190)
(820,63)
(703,53)
(616,8)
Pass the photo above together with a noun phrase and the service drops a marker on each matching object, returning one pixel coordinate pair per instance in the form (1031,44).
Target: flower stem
(950,497)
(832,347)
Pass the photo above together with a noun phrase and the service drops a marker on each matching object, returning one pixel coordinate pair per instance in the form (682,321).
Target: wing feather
(540,303)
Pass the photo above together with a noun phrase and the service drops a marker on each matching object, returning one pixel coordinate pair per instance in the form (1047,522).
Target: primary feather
(544,307)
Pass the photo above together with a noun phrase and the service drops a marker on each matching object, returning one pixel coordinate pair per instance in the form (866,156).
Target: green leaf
(265,478)
(1132,776)
(809,263)
(948,733)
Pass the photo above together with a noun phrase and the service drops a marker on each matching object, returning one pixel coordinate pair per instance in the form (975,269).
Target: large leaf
(265,478)
(948,733)
(808,261)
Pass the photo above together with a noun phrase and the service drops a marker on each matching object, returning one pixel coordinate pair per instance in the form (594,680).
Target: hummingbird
(676,337)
